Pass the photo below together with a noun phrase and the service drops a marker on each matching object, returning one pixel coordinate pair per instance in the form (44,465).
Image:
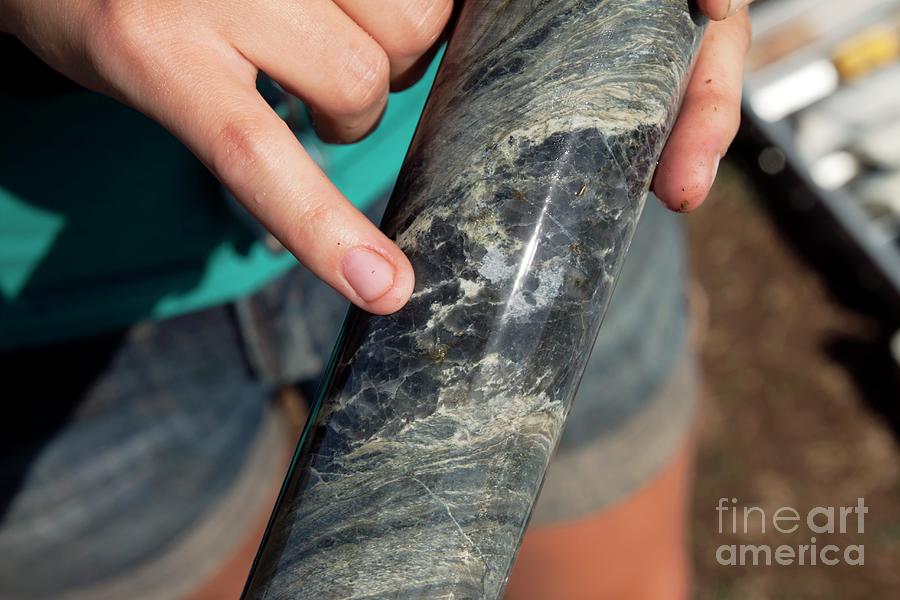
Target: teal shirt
(106,219)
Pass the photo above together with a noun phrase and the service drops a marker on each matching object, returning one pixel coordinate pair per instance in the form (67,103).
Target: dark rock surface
(516,206)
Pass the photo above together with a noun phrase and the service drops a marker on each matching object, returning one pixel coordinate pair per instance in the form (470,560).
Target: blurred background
(796,258)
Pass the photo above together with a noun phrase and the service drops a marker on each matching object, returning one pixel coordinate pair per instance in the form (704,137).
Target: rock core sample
(426,448)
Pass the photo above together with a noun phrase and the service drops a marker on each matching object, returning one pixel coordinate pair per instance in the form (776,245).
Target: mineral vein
(516,206)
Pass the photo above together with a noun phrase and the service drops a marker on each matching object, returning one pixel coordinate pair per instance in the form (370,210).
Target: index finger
(254,153)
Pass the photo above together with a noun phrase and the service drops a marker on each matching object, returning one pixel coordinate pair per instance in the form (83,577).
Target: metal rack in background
(822,92)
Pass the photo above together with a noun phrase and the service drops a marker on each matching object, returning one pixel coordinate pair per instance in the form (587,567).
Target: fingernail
(715,169)
(735,6)
(370,275)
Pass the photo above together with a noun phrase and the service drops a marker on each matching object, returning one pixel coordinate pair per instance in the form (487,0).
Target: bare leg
(227,581)
(634,549)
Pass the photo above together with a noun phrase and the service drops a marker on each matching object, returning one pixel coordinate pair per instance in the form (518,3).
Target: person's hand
(192,65)
(711,111)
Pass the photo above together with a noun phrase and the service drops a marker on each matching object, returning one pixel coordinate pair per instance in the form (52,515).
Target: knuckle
(419,27)
(315,215)
(238,148)
(370,83)
(121,31)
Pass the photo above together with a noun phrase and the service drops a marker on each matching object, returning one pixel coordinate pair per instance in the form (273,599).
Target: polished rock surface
(516,206)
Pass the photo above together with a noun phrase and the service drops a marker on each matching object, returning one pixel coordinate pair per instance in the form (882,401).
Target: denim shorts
(132,462)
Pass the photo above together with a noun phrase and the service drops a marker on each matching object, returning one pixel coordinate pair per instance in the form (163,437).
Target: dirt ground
(800,406)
